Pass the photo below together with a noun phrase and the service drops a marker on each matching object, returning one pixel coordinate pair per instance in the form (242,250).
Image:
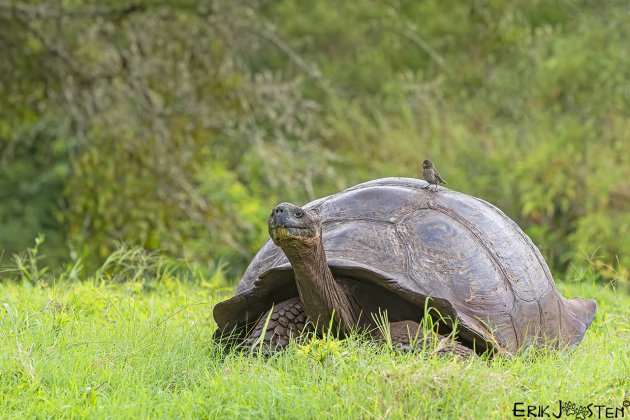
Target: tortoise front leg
(288,320)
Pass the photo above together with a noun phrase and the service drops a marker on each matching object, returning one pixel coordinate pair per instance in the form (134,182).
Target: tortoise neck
(319,291)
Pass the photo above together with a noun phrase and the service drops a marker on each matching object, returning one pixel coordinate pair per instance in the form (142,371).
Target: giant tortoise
(389,245)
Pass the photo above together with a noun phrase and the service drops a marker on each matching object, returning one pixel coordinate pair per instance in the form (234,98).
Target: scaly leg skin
(288,320)
(407,336)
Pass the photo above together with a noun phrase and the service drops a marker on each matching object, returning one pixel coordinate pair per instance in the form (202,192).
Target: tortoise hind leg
(287,320)
(408,336)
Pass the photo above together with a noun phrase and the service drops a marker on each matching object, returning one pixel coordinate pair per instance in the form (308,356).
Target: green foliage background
(178,125)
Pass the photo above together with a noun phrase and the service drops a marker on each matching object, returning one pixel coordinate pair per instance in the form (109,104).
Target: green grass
(129,350)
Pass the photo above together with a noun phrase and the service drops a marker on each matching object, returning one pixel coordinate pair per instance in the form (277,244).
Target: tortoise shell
(479,269)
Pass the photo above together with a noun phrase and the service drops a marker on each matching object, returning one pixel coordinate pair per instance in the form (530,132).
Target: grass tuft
(100,349)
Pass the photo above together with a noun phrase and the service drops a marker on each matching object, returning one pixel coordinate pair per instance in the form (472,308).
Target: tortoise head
(292,225)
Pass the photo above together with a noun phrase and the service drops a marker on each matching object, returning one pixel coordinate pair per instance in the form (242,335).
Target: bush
(177,127)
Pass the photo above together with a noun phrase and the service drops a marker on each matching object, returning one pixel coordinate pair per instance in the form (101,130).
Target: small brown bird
(431,174)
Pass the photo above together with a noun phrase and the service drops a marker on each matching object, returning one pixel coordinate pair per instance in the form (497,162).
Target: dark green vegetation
(177,126)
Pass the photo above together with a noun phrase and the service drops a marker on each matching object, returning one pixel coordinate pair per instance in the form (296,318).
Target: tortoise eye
(298,213)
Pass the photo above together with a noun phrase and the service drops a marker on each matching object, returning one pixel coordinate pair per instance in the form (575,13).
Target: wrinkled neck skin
(318,290)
